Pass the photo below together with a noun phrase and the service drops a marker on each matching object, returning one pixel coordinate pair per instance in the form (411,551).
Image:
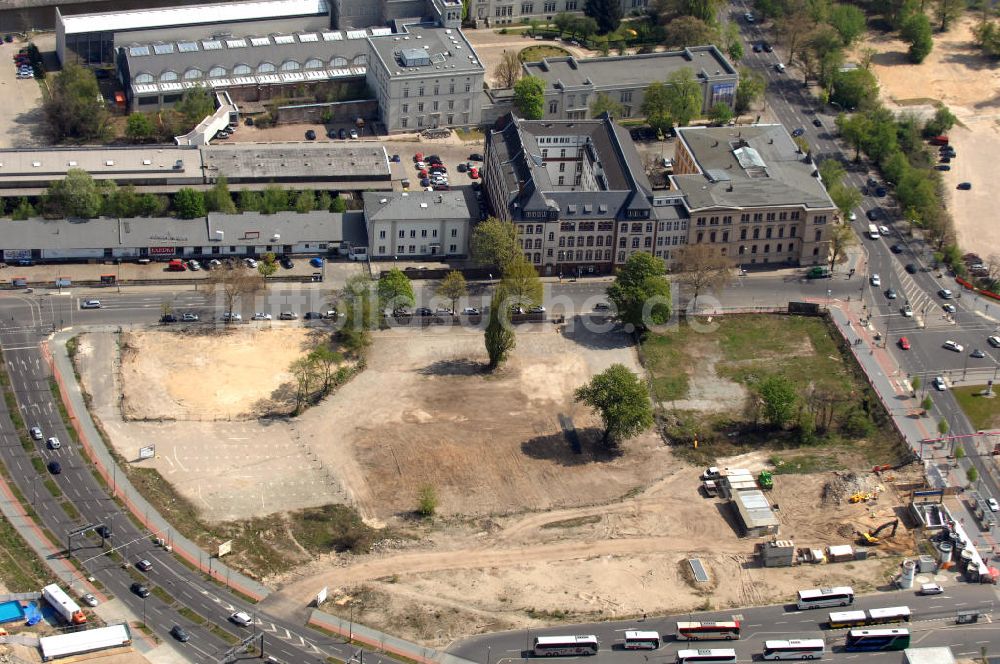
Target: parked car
(342,134)
(930,589)
(53,443)
(474,173)
(241,618)
(949,308)
(310,135)
(286,262)
(423,311)
(780,68)
(748,17)
(876,280)
(475,156)
(817,122)
(943,167)
(897,248)
(89,600)
(964,186)
(880,192)
(180,634)
(993,341)
(288,315)
(231,317)
(190,318)
(907,311)
(945,294)
(470,311)
(260,315)
(139,589)
(461,168)
(144,565)
(883,230)
(331,133)
(313,315)
(890,294)
(36,433)
(904,343)
(798,131)
(978,354)
(168,318)
(939,384)
(992,502)
(911,268)
(91,304)
(442,187)
(104,531)
(354,133)
(54,467)
(953,345)
(873,214)
(316,262)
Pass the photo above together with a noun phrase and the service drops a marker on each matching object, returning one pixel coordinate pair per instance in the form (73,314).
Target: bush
(427,501)
(857,424)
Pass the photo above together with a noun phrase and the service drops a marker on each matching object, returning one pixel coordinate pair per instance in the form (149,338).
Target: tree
(326,361)
(946,11)
(915,383)
(73,108)
(427,501)
(852,129)
(231,284)
(689,31)
(274,199)
(121,202)
(306,374)
(607,13)
(988,38)
(189,203)
(793,28)
(521,283)
(942,427)
(684,96)
(394,290)
(139,127)
(622,400)
(218,198)
(959,450)
(195,105)
(641,292)
(842,238)
(701,268)
(305,201)
(604,104)
(269,265)
(249,201)
(916,30)
(748,90)
(23,210)
(846,199)
(338,205)
(494,242)
(778,399)
(941,123)
(324,201)
(453,288)
(849,21)
(563,21)
(733,41)
(358,301)
(853,89)
(499,337)
(972,475)
(927,403)
(152,205)
(720,114)
(508,70)
(529,97)
(831,172)
(655,108)
(76,195)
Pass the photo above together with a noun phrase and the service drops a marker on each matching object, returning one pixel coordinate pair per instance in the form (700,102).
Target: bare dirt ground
(956,75)
(208,373)
(490,46)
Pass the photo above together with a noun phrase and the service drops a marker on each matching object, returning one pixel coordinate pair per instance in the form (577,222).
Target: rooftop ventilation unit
(414,57)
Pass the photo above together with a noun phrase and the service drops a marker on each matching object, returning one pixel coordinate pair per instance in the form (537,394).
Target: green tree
(326,360)
(189,203)
(73,108)
(942,427)
(946,11)
(655,107)
(733,41)
(853,89)
(76,195)
(720,114)
(274,199)
(563,21)
(842,238)
(988,38)
(607,13)
(849,21)
(916,31)
(689,31)
(122,202)
(152,205)
(604,104)
(249,201)
(846,198)
(915,383)
(959,450)
(749,90)
(427,501)
(324,201)
(453,287)
(494,242)
(358,301)
(852,129)
(218,198)
(529,97)
(305,371)
(778,399)
(941,123)
(305,201)
(338,205)
(622,400)
(268,266)
(831,172)
(139,128)
(972,475)
(499,337)
(394,290)
(195,105)
(927,403)
(683,96)
(23,210)
(641,292)
(521,283)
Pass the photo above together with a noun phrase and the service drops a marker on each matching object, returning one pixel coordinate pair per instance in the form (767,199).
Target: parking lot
(20,122)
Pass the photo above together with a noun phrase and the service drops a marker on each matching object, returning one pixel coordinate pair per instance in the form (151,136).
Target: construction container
(907,575)
(944,551)
(927,564)
(840,553)
(778,553)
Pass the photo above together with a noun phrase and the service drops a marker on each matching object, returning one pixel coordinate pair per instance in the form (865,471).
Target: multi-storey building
(577,192)
(419,224)
(426,76)
(751,192)
(572,84)
(499,12)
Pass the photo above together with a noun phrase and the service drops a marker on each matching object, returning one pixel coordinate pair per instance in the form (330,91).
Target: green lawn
(536,53)
(984,413)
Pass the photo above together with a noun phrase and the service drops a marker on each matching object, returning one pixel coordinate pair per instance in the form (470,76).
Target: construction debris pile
(852,488)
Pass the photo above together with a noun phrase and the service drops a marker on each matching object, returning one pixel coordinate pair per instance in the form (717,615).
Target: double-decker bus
(708,631)
(819,597)
(794,649)
(559,646)
(635,640)
(877,639)
(712,656)
(887,616)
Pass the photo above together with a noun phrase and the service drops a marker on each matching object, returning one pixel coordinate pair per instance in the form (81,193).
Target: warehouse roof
(448,51)
(747,167)
(420,205)
(142,19)
(754,510)
(103,163)
(282,161)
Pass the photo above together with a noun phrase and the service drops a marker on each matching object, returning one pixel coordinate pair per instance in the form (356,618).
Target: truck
(873,232)
(63,605)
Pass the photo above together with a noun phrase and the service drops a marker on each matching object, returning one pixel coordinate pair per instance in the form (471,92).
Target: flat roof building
(754,513)
(296,162)
(420,224)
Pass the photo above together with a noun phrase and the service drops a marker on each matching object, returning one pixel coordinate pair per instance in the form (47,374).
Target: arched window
(360,60)
(217,72)
(314,63)
(338,62)
(192,74)
(290,65)
(242,70)
(168,76)
(265,68)
(143,78)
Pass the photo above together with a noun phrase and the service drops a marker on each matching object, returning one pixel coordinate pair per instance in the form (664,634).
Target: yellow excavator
(871,538)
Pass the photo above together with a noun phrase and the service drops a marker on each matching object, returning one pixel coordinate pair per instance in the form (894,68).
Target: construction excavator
(871,538)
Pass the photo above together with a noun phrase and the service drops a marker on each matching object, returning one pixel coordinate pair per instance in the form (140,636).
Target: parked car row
(22,64)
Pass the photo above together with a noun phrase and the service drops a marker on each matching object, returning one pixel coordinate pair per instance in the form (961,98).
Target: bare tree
(701,267)
(508,70)
(233,283)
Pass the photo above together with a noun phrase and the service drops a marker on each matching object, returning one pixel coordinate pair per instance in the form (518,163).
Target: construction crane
(872,536)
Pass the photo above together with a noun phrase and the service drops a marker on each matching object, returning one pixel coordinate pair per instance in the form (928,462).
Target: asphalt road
(933,624)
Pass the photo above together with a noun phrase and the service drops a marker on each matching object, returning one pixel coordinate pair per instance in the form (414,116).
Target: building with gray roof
(572,84)
(425,76)
(578,194)
(420,224)
(217,235)
(750,191)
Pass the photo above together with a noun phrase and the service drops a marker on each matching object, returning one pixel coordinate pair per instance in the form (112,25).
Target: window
(538,229)
(792,232)
(142,79)
(468,86)
(265,68)
(743,233)
(770,216)
(781,231)
(538,244)
(451,88)
(550,6)
(725,237)
(778,249)
(819,236)
(700,238)
(571,242)
(451,104)
(437,89)
(413,248)
(527,8)
(562,152)
(648,242)
(400,248)
(767,233)
(216,72)
(435,105)
(758,216)
(552,236)
(562,242)
(744,218)
(381,249)
(339,62)
(420,91)
(290,65)
(360,60)
(406,92)
(795,215)
(406,108)
(423,233)
(381,235)
(402,233)
(403,122)
(168,76)
(571,5)
(452,248)
(728,219)
(562,167)
(625,97)
(413,233)
(767,248)
(192,74)
(562,180)
(756,233)
(553,107)
(782,216)
(314,63)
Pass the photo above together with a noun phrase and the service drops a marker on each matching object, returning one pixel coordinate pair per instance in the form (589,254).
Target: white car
(953,345)
(992,502)
(931,589)
(907,311)
(883,230)
(36,433)
(711,473)
(54,443)
(260,315)
(89,600)
(241,618)
(939,384)
(91,304)
(748,17)
(994,341)
(780,68)
(231,318)
(250,262)
(945,294)
(194,265)
(876,280)
(470,311)
(852,216)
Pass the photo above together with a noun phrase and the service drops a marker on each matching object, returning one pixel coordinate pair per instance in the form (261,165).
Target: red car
(904,343)
(418,157)
(422,172)
(474,173)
